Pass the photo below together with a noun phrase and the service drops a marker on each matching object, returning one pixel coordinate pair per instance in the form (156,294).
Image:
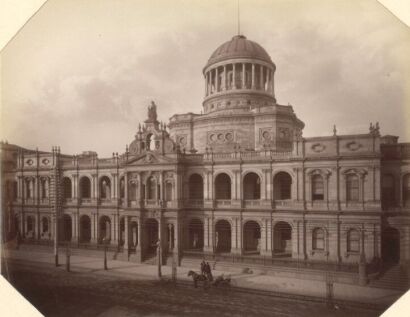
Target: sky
(80,74)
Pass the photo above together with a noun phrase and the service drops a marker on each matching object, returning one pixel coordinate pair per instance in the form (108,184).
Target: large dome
(239,47)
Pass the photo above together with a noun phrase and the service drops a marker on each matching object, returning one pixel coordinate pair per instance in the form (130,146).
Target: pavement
(250,281)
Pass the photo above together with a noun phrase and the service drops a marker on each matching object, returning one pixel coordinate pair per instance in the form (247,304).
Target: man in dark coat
(203,267)
(208,271)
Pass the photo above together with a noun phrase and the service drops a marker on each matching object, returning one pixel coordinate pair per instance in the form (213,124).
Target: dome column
(266,80)
(206,84)
(216,80)
(224,79)
(253,76)
(233,76)
(260,77)
(243,76)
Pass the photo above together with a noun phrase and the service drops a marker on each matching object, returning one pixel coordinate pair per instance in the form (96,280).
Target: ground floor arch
(282,238)
(133,234)
(251,236)
(196,234)
(223,236)
(66,228)
(85,229)
(391,245)
(104,229)
(151,235)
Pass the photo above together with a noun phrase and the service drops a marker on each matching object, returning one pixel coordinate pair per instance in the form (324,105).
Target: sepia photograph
(205,158)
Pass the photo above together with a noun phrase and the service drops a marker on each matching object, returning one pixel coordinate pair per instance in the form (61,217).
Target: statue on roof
(152,112)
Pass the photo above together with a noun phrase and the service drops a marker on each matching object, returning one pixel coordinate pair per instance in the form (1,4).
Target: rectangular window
(318,239)
(317,188)
(353,241)
(352,188)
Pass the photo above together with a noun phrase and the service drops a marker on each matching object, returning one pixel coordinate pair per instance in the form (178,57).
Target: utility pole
(105,240)
(56,200)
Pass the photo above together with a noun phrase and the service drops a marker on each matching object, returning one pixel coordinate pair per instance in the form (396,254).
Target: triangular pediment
(150,158)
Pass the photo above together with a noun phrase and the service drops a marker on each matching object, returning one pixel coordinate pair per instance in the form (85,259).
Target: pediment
(150,158)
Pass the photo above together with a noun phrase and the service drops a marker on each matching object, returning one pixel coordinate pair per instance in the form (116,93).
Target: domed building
(237,184)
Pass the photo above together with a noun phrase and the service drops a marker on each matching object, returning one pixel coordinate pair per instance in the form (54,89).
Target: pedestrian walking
(203,265)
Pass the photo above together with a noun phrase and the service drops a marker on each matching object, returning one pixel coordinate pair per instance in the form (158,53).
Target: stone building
(237,181)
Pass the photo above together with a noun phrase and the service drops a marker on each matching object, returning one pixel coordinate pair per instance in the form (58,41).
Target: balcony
(194,203)
(45,201)
(221,203)
(252,203)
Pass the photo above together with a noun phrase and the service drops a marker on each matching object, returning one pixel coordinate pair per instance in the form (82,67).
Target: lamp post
(105,240)
(159,258)
(174,269)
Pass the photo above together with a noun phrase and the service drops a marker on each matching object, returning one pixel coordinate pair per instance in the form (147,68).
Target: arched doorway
(151,235)
(196,234)
(251,187)
(251,236)
(105,229)
(282,186)
(133,234)
(391,245)
(282,239)
(67,188)
(85,229)
(67,228)
(223,236)
(222,186)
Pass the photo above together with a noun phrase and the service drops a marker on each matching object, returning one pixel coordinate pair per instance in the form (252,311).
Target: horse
(198,278)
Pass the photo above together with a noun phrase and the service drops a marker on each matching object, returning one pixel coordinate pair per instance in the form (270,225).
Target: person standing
(208,272)
(203,269)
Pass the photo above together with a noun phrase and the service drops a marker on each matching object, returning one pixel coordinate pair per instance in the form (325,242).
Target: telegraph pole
(56,201)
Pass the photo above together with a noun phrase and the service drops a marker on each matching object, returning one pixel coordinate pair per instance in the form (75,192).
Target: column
(206,84)
(126,232)
(260,77)
(233,76)
(73,228)
(266,238)
(253,76)
(208,235)
(37,228)
(243,76)
(266,80)
(224,79)
(113,227)
(94,230)
(216,79)
(272,83)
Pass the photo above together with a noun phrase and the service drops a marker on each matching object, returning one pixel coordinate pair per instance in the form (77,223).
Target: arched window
(388,192)
(30,223)
(122,187)
(132,191)
(196,187)
(85,187)
(152,188)
(67,194)
(352,187)
(168,191)
(222,186)
(406,190)
(318,239)
(317,187)
(251,187)
(44,224)
(105,188)
(29,188)
(282,185)
(44,188)
(353,241)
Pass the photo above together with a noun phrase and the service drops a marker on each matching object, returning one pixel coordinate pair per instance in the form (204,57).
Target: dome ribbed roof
(239,46)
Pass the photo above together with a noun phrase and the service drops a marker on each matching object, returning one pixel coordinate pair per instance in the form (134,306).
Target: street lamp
(105,241)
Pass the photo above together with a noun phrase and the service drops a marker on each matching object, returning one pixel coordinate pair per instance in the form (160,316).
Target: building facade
(238,179)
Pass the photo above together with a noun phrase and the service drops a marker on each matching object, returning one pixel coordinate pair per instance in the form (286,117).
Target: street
(55,292)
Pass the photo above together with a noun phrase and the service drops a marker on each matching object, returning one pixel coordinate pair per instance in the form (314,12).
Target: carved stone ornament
(149,158)
(29,162)
(318,147)
(45,161)
(353,146)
